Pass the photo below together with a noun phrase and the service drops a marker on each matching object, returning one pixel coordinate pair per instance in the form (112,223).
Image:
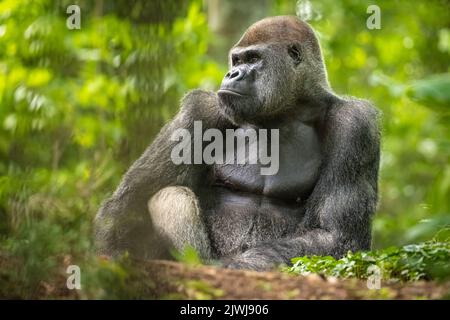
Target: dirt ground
(175,280)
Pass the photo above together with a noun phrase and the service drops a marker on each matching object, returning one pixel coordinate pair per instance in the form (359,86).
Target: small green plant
(188,256)
(427,260)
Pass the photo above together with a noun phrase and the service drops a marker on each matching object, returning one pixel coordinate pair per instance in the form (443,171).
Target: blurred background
(77,107)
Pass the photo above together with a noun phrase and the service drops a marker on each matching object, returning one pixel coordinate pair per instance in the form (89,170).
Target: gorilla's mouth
(232,92)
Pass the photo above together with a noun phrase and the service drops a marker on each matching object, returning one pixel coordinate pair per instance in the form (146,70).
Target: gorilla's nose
(235,74)
(235,82)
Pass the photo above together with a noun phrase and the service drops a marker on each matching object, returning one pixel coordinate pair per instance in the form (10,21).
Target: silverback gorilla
(321,200)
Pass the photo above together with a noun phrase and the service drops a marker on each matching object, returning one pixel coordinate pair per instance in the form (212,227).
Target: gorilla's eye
(247,57)
(252,57)
(235,60)
(253,60)
(295,51)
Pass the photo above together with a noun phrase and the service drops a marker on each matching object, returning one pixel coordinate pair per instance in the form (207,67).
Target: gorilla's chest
(243,207)
(294,159)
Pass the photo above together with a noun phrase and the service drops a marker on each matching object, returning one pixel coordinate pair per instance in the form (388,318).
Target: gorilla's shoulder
(359,107)
(354,115)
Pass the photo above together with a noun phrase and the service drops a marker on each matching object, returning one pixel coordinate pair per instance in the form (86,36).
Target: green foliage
(428,260)
(188,256)
(36,246)
(433,92)
(77,106)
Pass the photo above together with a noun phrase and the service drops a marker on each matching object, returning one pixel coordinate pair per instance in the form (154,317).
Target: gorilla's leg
(176,218)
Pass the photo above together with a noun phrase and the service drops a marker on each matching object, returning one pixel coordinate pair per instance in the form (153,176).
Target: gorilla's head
(275,64)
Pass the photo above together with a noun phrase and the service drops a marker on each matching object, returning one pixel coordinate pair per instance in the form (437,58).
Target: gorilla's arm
(339,210)
(123,222)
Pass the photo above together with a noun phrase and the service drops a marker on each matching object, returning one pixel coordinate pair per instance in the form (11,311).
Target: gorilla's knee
(176,216)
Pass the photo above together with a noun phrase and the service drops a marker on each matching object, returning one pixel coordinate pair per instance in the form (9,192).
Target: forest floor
(205,282)
(174,280)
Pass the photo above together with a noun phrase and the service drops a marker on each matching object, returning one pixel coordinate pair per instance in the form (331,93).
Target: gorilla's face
(261,81)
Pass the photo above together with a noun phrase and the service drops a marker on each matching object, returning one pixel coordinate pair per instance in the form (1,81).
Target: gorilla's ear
(295,51)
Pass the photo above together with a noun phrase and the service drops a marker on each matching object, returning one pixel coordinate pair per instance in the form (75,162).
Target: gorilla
(321,200)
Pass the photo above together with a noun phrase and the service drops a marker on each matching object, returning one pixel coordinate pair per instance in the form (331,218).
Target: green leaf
(433,92)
